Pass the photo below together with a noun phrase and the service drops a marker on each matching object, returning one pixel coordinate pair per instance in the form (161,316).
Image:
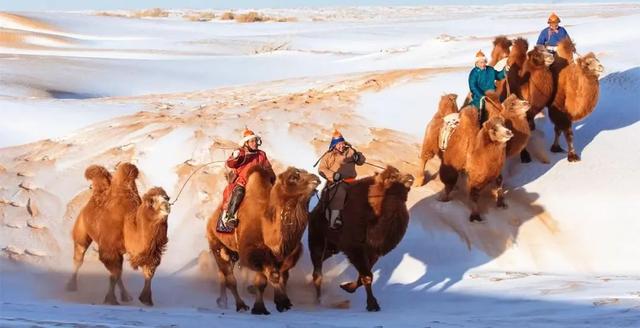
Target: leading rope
(191,175)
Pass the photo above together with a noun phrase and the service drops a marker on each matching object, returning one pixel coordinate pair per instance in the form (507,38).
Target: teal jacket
(482,80)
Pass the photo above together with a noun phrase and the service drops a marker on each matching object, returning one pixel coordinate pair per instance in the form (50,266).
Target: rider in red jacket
(241,161)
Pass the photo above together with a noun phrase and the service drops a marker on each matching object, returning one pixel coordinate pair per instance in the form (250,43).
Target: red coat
(240,162)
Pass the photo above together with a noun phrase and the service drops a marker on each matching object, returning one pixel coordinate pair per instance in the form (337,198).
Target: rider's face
(553,25)
(481,63)
(341,146)
(253,144)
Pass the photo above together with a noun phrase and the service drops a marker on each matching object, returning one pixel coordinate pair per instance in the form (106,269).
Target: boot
(335,221)
(230,220)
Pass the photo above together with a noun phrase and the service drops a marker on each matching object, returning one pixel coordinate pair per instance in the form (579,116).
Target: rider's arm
(236,159)
(542,39)
(324,170)
(473,85)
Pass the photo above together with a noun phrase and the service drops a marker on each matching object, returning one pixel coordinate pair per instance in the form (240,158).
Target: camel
(480,152)
(430,148)
(529,77)
(273,218)
(576,96)
(101,221)
(514,112)
(375,220)
(145,236)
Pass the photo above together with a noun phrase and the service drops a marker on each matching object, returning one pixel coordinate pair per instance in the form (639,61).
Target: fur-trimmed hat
(335,139)
(246,136)
(553,18)
(480,56)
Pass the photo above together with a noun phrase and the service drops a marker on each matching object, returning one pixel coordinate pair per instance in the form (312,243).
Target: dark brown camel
(430,148)
(578,88)
(273,218)
(375,220)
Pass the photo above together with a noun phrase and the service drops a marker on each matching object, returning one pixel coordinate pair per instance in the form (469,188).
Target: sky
(37,5)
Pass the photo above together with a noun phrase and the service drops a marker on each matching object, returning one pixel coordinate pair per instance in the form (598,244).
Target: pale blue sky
(27,5)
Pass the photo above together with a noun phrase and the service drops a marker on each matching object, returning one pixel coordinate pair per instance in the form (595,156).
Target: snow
(160,92)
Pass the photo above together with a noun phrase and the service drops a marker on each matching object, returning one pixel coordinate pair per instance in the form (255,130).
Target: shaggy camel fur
(577,93)
(145,236)
(375,220)
(102,223)
(480,152)
(273,218)
(514,111)
(430,148)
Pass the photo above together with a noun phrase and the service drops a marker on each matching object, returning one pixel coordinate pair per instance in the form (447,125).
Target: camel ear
(453,96)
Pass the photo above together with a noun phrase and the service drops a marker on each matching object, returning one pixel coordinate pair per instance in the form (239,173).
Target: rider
(338,166)
(240,161)
(552,35)
(482,78)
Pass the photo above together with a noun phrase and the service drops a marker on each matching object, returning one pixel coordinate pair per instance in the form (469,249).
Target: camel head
(296,183)
(448,104)
(496,130)
(99,176)
(157,200)
(540,57)
(126,173)
(513,106)
(500,50)
(518,52)
(389,183)
(590,65)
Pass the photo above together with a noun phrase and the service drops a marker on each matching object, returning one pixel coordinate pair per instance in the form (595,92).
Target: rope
(192,173)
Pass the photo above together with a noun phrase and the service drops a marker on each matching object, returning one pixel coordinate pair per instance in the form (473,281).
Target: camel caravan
(261,219)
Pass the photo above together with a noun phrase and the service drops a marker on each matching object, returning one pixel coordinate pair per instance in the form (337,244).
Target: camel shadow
(441,245)
(617,108)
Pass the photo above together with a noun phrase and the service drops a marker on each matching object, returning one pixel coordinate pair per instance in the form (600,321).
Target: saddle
(451,122)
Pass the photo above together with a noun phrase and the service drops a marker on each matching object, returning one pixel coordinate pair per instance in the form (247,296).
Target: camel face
(158,200)
(591,64)
(497,131)
(514,105)
(298,182)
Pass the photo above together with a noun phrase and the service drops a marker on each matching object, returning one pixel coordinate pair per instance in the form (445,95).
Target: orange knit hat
(553,18)
(246,136)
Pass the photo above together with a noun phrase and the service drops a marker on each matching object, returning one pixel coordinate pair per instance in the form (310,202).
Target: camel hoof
(474,217)
(111,300)
(373,306)
(259,308)
(252,289)
(525,157)
(348,287)
(146,300)
(241,307)
(125,297)
(283,305)
(573,157)
(72,286)
(222,302)
(557,149)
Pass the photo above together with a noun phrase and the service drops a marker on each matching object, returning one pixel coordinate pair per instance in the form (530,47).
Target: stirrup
(230,221)
(337,224)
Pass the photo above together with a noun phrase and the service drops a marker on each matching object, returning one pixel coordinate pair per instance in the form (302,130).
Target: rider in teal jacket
(482,78)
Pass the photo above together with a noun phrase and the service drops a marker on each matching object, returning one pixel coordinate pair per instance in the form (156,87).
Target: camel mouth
(505,135)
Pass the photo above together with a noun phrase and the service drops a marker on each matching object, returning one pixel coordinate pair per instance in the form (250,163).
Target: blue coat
(483,80)
(550,38)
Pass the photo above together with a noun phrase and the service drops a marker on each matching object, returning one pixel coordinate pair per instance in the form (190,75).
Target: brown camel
(145,236)
(273,218)
(430,148)
(529,77)
(480,152)
(375,220)
(101,221)
(577,93)
(514,111)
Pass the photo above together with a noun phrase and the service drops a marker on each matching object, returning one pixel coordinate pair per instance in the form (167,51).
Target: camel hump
(502,41)
(127,170)
(263,173)
(521,45)
(97,171)
(389,178)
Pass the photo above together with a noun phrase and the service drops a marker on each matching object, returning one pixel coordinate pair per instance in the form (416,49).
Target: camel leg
(145,295)
(363,264)
(555,148)
(260,282)
(420,176)
(351,287)
(124,294)
(474,195)
(225,269)
(80,247)
(525,157)
(498,193)
(281,298)
(222,299)
(571,156)
(113,263)
(449,176)
(317,252)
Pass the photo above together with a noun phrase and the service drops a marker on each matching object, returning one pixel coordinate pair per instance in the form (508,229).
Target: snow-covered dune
(170,94)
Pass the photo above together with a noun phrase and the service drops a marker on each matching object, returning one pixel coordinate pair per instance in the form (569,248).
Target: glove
(356,157)
(337,177)
(235,154)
